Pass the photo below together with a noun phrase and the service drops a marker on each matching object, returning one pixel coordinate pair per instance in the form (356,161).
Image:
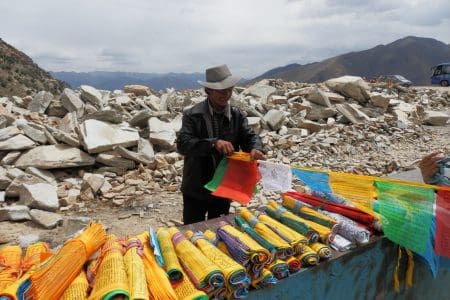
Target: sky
(186,36)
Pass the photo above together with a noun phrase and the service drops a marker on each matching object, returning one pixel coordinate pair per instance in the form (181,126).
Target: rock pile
(58,153)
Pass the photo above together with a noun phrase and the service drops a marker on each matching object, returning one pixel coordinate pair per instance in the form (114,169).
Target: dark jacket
(195,141)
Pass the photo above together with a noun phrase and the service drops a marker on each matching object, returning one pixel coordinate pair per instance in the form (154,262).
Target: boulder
(100,136)
(39,195)
(54,156)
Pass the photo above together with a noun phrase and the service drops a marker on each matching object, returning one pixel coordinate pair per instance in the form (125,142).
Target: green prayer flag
(406,214)
(218,175)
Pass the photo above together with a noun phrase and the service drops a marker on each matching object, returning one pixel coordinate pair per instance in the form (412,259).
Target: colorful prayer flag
(315,180)
(407,213)
(235,180)
(275,177)
(442,241)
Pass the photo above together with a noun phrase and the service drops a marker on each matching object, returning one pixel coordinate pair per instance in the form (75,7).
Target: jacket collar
(205,108)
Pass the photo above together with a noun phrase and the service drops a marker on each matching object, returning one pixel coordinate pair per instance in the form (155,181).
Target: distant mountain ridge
(411,57)
(20,76)
(117,80)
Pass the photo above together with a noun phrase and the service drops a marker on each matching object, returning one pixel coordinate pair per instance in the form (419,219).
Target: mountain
(117,80)
(20,76)
(411,57)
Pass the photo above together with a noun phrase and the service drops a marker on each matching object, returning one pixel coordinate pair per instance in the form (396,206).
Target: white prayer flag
(275,177)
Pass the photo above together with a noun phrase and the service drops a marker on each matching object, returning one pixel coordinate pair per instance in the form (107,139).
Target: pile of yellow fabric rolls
(223,262)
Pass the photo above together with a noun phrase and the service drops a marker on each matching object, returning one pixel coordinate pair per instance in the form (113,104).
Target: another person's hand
(428,165)
(257,155)
(224,147)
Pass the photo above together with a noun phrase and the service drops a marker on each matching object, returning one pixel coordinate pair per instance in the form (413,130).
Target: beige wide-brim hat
(219,78)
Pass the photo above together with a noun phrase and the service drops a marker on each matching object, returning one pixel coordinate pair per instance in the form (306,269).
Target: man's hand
(428,166)
(224,147)
(257,155)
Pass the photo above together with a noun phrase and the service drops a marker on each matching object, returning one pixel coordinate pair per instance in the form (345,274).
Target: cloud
(188,36)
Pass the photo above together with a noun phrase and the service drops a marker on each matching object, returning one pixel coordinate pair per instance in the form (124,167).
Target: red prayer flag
(442,240)
(350,212)
(239,181)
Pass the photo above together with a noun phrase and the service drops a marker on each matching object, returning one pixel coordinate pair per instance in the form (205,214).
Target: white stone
(54,156)
(145,148)
(72,102)
(39,195)
(91,95)
(380,100)
(37,135)
(48,220)
(43,174)
(18,142)
(317,96)
(274,118)
(95,181)
(436,118)
(350,86)
(100,136)
(10,158)
(161,133)
(15,213)
(138,90)
(9,132)
(40,102)
(262,90)
(113,159)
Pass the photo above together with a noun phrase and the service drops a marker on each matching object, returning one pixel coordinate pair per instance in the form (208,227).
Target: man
(433,167)
(211,130)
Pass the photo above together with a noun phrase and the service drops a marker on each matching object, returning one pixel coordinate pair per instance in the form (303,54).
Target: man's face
(219,98)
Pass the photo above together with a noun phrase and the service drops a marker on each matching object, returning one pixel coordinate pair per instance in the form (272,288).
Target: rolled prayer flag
(245,227)
(286,217)
(305,212)
(294,264)
(279,269)
(186,290)
(295,239)
(10,261)
(264,279)
(349,229)
(341,244)
(308,257)
(283,248)
(322,250)
(348,211)
(111,278)
(158,284)
(243,248)
(134,267)
(171,263)
(216,241)
(53,278)
(78,289)
(235,275)
(36,254)
(204,273)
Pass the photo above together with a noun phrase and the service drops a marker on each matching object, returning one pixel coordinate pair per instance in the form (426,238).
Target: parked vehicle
(395,79)
(441,74)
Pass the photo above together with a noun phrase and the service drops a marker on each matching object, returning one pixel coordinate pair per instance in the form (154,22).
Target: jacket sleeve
(249,139)
(188,142)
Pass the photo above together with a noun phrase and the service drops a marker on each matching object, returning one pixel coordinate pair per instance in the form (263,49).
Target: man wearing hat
(211,130)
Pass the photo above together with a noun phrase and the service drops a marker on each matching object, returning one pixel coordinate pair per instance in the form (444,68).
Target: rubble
(70,152)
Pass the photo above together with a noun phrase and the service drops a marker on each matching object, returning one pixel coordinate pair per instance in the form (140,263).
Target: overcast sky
(251,36)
